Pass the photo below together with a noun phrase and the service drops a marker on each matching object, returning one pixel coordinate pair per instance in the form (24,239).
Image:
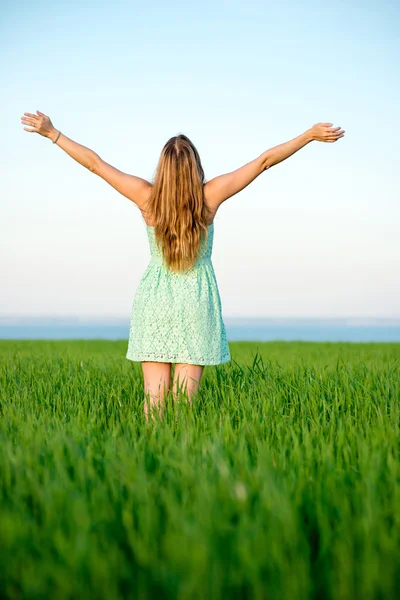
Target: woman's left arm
(134,188)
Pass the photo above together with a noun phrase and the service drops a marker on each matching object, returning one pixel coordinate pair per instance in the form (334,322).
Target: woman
(176,315)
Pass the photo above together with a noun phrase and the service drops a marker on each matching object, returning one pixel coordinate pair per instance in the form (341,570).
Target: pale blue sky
(317,235)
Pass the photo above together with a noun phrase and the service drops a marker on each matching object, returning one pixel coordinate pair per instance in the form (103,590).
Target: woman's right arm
(221,188)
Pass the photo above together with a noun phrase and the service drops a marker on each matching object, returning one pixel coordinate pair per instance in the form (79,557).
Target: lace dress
(177,317)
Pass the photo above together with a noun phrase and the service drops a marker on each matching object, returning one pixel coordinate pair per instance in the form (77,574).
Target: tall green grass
(283,482)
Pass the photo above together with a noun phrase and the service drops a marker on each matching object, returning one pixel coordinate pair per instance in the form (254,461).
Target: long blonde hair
(177,204)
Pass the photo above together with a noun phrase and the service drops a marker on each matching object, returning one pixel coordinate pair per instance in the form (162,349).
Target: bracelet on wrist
(59,133)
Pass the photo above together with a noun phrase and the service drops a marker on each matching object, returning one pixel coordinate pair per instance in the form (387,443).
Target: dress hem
(180,360)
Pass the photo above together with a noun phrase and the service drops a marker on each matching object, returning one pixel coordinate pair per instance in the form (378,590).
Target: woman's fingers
(333,129)
(31,121)
(335,138)
(335,132)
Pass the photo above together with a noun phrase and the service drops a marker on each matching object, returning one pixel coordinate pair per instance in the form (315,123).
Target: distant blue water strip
(318,330)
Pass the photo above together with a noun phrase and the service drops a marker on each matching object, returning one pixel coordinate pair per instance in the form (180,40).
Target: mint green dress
(177,317)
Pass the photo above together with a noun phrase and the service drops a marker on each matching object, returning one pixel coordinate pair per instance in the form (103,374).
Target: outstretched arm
(221,188)
(130,186)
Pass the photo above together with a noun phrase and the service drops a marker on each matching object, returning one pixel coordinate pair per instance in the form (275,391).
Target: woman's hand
(40,123)
(324,132)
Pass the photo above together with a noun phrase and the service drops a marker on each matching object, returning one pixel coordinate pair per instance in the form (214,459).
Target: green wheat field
(282,482)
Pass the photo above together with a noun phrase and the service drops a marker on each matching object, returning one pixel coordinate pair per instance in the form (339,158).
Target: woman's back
(205,251)
(177,316)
